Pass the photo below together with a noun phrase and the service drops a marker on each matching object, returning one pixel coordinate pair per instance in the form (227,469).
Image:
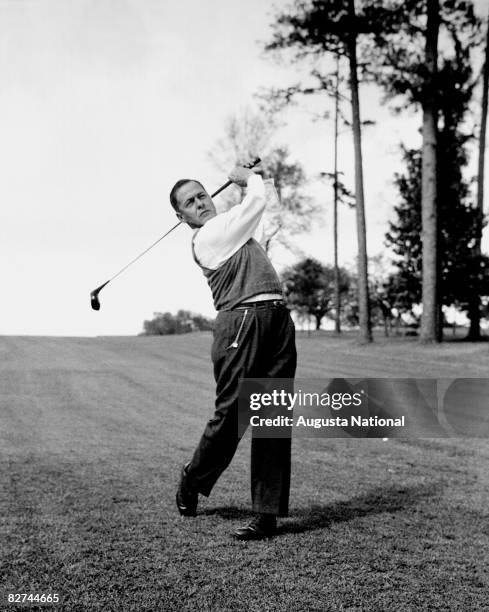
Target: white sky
(104,104)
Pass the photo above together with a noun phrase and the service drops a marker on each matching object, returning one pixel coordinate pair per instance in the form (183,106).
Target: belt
(259,304)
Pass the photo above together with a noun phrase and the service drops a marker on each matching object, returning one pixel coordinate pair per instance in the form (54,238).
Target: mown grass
(94,431)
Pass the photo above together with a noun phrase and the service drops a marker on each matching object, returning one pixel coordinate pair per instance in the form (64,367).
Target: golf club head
(94,301)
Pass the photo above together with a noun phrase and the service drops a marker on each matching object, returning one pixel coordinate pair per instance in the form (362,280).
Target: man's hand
(240,175)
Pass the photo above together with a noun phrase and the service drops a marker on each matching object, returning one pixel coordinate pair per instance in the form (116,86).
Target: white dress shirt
(220,237)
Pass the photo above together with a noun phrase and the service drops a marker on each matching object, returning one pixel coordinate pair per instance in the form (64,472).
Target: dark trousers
(265,339)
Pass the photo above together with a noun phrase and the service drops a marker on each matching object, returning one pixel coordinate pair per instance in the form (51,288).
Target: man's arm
(223,235)
(270,222)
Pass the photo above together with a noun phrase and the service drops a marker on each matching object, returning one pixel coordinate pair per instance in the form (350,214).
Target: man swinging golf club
(254,337)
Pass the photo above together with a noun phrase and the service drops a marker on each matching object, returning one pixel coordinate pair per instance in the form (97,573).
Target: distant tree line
(310,291)
(184,322)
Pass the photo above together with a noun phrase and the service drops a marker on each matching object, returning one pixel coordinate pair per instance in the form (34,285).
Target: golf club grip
(222,188)
(252,164)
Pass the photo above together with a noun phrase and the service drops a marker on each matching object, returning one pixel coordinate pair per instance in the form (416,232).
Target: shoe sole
(253,536)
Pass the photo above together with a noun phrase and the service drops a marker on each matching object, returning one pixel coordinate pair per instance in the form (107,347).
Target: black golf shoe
(187,497)
(262,526)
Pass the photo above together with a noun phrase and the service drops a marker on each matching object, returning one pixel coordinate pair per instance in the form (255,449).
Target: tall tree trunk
(335,204)
(474,303)
(365,331)
(430,329)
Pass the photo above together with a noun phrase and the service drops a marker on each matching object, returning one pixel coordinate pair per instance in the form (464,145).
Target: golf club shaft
(144,252)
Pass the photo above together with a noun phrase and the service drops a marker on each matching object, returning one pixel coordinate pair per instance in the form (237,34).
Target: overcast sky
(104,104)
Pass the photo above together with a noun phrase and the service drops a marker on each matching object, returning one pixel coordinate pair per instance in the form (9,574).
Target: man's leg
(270,457)
(220,438)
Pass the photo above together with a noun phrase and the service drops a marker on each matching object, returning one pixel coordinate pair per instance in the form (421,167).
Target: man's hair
(176,187)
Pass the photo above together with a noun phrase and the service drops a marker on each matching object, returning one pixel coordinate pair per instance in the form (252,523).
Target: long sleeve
(223,235)
(269,222)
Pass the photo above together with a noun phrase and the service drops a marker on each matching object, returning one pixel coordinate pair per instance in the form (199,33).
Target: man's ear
(179,216)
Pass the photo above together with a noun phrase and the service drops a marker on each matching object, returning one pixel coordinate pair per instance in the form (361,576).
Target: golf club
(94,301)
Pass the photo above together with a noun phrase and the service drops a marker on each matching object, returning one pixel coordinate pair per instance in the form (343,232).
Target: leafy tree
(201,323)
(309,288)
(404,235)
(183,322)
(382,306)
(249,134)
(384,296)
(296,212)
(404,60)
(394,57)
(311,30)
(458,229)
(459,264)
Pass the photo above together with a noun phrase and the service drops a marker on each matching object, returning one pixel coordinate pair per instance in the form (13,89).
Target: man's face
(195,206)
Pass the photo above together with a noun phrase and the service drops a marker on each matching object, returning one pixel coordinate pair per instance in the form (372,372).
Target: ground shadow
(376,501)
(454,339)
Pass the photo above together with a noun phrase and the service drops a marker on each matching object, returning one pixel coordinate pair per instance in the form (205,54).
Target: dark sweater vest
(245,274)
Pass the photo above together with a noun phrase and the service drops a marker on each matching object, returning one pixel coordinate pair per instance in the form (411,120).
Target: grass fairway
(93,433)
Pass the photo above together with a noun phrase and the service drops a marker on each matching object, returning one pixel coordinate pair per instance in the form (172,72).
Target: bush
(182,323)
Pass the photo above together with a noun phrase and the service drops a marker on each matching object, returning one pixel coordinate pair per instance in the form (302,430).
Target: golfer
(254,337)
